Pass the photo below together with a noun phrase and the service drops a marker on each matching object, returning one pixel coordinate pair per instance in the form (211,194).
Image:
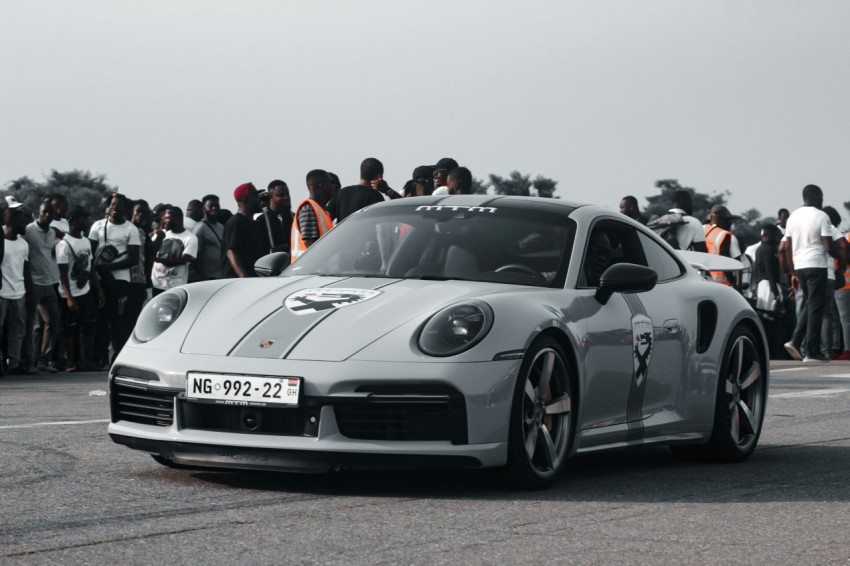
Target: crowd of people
(796,276)
(71,290)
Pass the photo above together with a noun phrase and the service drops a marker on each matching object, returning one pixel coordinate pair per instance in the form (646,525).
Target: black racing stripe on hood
(307,331)
(251,330)
(318,321)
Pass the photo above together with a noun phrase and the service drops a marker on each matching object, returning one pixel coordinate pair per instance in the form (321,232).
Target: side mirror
(625,278)
(271,265)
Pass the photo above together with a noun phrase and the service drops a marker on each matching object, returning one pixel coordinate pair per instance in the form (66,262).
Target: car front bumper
(470,404)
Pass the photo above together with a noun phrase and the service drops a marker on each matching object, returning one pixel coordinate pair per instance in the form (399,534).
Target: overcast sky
(175,99)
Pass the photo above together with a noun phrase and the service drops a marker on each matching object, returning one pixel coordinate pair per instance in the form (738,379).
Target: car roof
(528,203)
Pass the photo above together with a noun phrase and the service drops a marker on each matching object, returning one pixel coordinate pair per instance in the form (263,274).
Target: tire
(542,422)
(740,405)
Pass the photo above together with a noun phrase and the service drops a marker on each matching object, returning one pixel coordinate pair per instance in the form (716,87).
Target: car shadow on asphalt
(819,472)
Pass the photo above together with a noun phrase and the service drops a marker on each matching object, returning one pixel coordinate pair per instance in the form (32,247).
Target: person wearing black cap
(372,185)
(441,175)
(423,181)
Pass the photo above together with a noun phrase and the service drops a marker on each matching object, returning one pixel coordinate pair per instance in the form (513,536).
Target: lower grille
(404,414)
(142,404)
(284,421)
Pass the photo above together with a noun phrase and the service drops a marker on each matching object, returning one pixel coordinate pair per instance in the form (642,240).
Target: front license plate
(243,390)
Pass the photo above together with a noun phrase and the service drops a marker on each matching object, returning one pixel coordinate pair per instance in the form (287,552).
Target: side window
(609,242)
(660,259)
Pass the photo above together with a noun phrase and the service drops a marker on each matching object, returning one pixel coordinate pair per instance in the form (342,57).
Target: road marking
(784,370)
(810,393)
(55,423)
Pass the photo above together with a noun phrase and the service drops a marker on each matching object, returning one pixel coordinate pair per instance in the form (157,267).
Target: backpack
(79,269)
(666,226)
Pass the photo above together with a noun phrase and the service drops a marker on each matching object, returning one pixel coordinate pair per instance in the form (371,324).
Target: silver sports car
(472,331)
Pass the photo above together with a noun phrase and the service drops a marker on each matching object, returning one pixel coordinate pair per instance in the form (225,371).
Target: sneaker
(793,351)
(843,356)
(815,360)
(48,367)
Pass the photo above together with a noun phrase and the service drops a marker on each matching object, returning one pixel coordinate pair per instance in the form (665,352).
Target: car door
(665,364)
(605,339)
(634,344)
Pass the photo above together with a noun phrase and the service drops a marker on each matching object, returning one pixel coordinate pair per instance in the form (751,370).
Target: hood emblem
(308,301)
(266,344)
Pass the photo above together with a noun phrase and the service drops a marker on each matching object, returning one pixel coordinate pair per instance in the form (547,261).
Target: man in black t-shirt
(276,218)
(245,240)
(351,199)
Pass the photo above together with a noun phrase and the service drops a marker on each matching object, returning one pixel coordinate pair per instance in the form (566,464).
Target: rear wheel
(542,423)
(740,406)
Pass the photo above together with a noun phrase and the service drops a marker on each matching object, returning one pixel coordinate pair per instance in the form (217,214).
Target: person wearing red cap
(244,239)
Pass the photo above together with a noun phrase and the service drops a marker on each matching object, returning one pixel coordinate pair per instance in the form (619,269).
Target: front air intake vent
(139,403)
(407,412)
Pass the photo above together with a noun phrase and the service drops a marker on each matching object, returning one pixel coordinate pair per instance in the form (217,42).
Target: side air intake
(707,324)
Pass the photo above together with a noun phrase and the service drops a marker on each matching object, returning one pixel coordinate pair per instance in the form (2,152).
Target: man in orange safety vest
(310,221)
(720,240)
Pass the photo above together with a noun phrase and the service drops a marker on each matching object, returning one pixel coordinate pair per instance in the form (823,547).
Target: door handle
(671,325)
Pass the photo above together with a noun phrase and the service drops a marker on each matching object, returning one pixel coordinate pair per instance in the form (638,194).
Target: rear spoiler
(710,262)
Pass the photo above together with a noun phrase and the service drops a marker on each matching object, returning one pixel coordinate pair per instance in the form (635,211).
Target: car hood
(315,318)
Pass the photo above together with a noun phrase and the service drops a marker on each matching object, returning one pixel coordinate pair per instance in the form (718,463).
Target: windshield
(492,244)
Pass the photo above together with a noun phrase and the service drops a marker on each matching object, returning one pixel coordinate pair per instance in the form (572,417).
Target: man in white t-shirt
(830,336)
(79,289)
(116,246)
(180,246)
(804,253)
(690,235)
(16,282)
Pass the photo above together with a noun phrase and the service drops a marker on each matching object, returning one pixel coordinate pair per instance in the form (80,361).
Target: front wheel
(541,429)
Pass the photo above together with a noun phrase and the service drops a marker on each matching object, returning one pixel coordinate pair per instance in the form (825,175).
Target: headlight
(455,329)
(159,314)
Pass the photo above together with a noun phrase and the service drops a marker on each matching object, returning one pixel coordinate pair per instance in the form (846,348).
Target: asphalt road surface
(69,495)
